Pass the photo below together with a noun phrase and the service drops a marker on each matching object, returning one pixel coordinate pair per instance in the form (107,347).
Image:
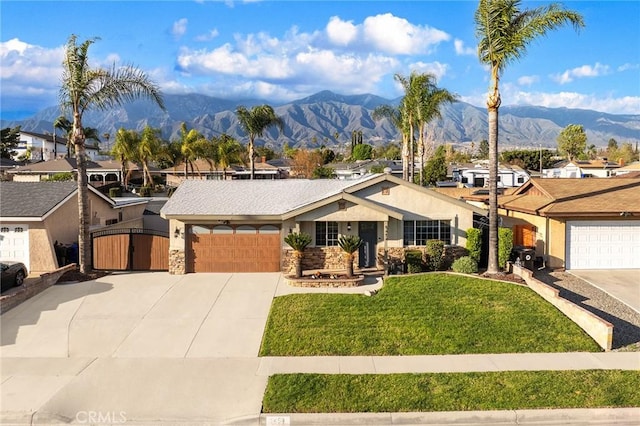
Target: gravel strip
(626,321)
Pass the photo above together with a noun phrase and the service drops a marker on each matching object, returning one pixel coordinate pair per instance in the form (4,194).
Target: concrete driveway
(623,284)
(143,347)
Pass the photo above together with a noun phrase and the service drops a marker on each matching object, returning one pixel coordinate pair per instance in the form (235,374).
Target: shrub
(474,243)
(435,251)
(505,245)
(61,177)
(145,191)
(465,265)
(114,192)
(413,259)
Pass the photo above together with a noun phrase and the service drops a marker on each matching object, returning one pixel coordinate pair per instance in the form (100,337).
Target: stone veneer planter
(324,281)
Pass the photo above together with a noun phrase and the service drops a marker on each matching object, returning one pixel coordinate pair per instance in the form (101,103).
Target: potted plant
(349,244)
(298,242)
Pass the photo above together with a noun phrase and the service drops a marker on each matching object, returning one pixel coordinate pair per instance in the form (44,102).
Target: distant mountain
(317,119)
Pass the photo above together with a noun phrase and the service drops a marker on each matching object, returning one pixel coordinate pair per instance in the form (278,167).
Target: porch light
(348,226)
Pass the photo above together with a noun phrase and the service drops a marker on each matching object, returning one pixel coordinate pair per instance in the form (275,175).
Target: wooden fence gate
(131,249)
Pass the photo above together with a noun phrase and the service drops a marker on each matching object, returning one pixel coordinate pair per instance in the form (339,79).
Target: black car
(13,274)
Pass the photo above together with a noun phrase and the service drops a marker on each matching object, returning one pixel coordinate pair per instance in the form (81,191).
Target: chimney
(621,162)
(263,159)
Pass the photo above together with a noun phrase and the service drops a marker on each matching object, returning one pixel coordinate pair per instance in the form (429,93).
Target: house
(354,170)
(99,173)
(205,170)
(47,147)
(577,223)
(477,175)
(629,169)
(34,215)
(582,169)
(235,225)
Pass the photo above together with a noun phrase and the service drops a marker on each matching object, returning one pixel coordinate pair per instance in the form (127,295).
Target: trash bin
(527,257)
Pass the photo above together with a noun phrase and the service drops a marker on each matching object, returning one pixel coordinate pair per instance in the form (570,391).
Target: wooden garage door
(241,248)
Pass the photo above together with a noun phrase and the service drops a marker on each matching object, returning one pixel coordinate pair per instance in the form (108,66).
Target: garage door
(603,245)
(241,248)
(14,243)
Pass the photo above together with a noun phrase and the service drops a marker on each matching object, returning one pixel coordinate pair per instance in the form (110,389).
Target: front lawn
(421,315)
(504,390)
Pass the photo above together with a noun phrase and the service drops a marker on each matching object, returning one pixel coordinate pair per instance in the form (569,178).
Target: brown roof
(69,165)
(575,197)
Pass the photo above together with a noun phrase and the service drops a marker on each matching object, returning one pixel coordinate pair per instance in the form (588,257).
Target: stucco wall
(42,257)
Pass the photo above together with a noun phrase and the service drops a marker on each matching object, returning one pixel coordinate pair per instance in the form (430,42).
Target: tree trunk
(421,156)
(349,264)
(297,259)
(411,156)
(84,215)
(493,104)
(405,158)
(252,163)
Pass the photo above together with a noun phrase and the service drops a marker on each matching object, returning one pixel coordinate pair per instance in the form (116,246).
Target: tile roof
(251,197)
(32,199)
(565,197)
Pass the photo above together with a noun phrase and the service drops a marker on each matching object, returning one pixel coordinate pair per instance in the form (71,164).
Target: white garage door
(603,245)
(14,243)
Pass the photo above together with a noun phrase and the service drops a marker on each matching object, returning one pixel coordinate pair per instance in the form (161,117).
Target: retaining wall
(600,330)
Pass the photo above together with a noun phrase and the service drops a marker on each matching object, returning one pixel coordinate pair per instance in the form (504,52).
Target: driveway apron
(623,284)
(146,347)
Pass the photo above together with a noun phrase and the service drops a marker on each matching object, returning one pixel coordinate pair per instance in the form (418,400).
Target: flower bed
(318,280)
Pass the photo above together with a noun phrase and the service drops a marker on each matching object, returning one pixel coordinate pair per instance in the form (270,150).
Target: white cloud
(436,68)
(628,67)
(393,35)
(341,33)
(580,72)
(528,80)
(461,49)
(208,36)
(179,28)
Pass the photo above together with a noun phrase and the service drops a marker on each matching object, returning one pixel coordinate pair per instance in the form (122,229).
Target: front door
(368,233)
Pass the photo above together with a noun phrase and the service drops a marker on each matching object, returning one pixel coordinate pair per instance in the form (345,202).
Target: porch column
(385,234)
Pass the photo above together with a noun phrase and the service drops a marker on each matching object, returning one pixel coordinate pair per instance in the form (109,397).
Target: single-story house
(582,169)
(205,170)
(34,215)
(240,225)
(577,223)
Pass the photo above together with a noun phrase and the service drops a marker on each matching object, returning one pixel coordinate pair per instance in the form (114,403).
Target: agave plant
(349,244)
(298,242)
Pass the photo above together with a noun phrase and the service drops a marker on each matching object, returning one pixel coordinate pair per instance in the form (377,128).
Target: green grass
(421,315)
(507,390)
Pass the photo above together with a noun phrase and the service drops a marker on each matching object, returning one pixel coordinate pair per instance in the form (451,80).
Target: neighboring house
(357,169)
(205,170)
(577,223)
(477,175)
(7,164)
(218,226)
(582,169)
(34,215)
(628,169)
(47,147)
(99,173)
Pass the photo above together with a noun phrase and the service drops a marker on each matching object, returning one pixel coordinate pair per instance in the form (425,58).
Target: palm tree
(64,124)
(398,118)
(430,99)
(124,149)
(504,33)
(298,242)
(409,104)
(190,148)
(148,150)
(254,122)
(349,245)
(84,88)
(229,151)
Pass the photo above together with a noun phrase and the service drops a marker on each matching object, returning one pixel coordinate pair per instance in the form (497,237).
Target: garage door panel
(234,249)
(603,244)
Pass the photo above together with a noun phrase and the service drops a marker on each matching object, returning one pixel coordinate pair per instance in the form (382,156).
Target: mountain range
(317,120)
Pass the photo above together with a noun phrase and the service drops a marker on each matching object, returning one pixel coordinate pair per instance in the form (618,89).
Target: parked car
(13,274)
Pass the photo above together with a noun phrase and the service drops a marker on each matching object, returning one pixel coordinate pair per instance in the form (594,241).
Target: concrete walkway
(154,348)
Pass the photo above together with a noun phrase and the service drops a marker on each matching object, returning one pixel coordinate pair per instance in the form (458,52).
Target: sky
(281,51)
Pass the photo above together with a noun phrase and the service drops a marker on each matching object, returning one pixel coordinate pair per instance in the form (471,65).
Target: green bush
(474,243)
(114,192)
(465,265)
(61,177)
(505,245)
(413,259)
(435,252)
(145,191)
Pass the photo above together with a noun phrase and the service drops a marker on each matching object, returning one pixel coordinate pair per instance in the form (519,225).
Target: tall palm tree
(397,117)
(409,104)
(430,99)
(65,125)
(124,149)
(504,32)
(84,88)
(254,122)
(148,150)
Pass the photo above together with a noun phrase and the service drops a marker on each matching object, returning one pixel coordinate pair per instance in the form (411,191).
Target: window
(111,221)
(326,233)
(4,229)
(418,232)
(18,229)
(520,179)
